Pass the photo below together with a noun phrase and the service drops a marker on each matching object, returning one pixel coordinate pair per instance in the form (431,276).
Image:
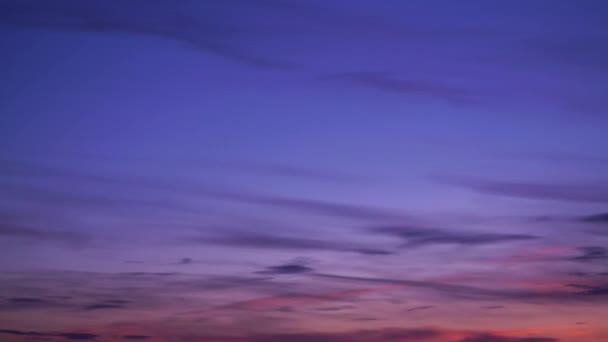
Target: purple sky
(307,171)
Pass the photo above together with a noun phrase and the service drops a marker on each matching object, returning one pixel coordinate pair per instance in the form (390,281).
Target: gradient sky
(304,170)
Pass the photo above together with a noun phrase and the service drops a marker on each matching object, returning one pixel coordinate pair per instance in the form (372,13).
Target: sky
(304,170)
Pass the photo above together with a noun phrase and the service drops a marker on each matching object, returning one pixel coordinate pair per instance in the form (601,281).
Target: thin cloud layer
(161,19)
(540,191)
(254,240)
(418,236)
(385,82)
(261,170)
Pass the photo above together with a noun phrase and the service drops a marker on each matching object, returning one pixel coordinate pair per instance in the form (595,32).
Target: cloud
(493,307)
(597,218)
(34,234)
(67,335)
(591,290)
(148,274)
(185,261)
(381,335)
(317,207)
(420,308)
(136,337)
(211,31)
(23,300)
(539,191)
(287,269)
(336,308)
(418,236)
(290,299)
(496,338)
(385,82)
(78,336)
(103,306)
(480,293)
(288,171)
(255,240)
(591,253)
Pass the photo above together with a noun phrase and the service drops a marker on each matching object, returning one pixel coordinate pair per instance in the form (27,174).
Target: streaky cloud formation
(540,191)
(287,269)
(496,338)
(385,82)
(255,240)
(303,170)
(67,335)
(419,236)
(591,253)
(163,19)
(597,218)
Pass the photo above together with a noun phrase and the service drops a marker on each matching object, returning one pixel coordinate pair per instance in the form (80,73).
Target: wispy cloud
(591,253)
(291,268)
(419,236)
(481,293)
(596,219)
(497,338)
(20,231)
(591,290)
(161,19)
(256,240)
(420,308)
(381,335)
(67,335)
(593,193)
(386,82)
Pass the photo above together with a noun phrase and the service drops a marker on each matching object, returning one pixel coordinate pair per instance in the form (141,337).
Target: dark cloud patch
(592,193)
(591,254)
(496,338)
(493,307)
(254,240)
(365,319)
(384,335)
(336,308)
(371,251)
(27,300)
(597,218)
(67,335)
(154,274)
(580,274)
(590,290)
(117,301)
(287,269)
(103,306)
(417,236)
(185,261)
(23,333)
(78,336)
(420,308)
(386,82)
(136,337)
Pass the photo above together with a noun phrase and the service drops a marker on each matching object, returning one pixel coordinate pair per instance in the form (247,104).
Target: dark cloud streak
(418,236)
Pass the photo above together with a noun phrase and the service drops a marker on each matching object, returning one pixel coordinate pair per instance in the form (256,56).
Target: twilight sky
(304,170)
